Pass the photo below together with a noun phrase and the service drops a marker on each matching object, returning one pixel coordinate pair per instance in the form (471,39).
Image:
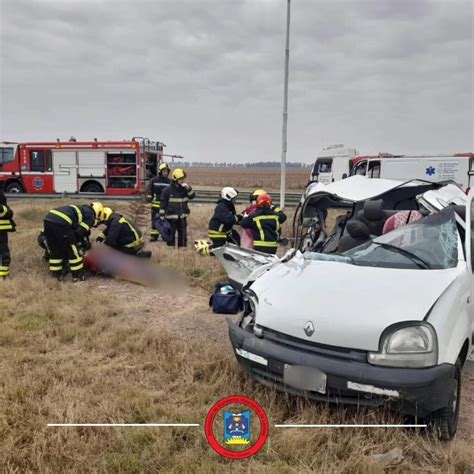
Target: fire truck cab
(109,167)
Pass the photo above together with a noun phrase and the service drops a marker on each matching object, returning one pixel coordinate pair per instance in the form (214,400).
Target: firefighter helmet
(178,173)
(258,192)
(163,167)
(264,200)
(202,247)
(107,212)
(229,193)
(98,209)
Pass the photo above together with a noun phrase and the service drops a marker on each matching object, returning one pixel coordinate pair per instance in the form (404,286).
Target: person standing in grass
(6,225)
(156,186)
(265,225)
(221,226)
(174,207)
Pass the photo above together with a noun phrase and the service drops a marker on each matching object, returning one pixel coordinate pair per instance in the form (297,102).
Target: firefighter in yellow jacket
(156,186)
(6,225)
(66,229)
(121,234)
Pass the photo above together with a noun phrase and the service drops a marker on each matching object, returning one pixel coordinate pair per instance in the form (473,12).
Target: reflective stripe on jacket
(156,186)
(119,232)
(174,201)
(6,219)
(265,225)
(223,220)
(78,217)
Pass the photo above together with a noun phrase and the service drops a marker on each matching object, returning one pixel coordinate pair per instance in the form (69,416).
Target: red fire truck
(109,167)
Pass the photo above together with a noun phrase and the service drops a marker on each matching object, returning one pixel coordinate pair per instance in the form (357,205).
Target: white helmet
(229,193)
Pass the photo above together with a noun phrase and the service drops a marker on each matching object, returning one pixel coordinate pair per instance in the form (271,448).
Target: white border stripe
(350,426)
(107,425)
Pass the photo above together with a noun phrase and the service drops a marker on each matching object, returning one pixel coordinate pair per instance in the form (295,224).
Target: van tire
(14,187)
(445,420)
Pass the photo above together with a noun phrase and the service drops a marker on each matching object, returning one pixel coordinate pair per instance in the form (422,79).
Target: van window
(360,169)
(374,169)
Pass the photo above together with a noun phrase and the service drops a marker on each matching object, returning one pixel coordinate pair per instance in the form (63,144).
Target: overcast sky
(206,76)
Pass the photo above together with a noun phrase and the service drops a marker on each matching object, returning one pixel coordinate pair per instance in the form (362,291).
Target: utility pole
(285,110)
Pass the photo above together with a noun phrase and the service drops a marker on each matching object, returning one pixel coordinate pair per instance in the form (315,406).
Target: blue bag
(226,299)
(164,228)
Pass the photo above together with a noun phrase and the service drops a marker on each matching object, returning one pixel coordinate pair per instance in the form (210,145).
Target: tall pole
(285,110)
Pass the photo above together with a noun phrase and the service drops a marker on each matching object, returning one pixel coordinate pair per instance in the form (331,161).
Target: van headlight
(250,306)
(411,346)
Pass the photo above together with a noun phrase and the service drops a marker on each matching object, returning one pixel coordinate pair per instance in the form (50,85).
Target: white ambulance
(449,167)
(332,163)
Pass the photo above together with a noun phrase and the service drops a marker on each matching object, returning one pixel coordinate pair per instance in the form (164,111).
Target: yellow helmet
(98,211)
(178,173)
(258,192)
(202,247)
(163,166)
(107,212)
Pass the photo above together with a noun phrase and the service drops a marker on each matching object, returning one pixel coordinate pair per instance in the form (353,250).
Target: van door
(470,174)
(469,244)
(65,171)
(360,169)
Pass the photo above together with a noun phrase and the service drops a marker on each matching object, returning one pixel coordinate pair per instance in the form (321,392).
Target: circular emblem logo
(241,425)
(38,183)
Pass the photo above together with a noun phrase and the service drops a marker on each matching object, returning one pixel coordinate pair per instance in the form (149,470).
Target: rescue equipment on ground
(226,299)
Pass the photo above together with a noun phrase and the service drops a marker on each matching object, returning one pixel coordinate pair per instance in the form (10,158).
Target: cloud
(206,77)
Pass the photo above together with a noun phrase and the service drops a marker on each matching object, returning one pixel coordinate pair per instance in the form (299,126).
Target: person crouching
(121,234)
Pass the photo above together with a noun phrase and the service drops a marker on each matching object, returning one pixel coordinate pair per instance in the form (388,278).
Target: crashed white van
(358,316)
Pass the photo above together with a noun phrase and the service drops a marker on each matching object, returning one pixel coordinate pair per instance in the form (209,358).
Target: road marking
(350,426)
(124,425)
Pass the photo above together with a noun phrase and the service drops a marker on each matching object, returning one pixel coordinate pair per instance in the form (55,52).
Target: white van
(458,168)
(379,319)
(332,164)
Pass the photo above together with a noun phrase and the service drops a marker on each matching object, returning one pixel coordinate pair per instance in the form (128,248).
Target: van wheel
(92,188)
(14,187)
(445,420)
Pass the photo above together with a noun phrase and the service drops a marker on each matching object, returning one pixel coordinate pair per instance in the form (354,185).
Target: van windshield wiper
(421,263)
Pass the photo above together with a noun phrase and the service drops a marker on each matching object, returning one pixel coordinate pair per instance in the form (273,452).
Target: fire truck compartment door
(65,171)
(91,163)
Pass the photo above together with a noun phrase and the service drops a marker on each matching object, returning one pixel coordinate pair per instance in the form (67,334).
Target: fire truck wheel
(15,187)
(92,188)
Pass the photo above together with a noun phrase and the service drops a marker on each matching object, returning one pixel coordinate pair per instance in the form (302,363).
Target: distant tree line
(258,164)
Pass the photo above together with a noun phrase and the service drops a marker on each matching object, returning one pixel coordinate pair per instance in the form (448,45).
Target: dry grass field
(246,179)
(110,351)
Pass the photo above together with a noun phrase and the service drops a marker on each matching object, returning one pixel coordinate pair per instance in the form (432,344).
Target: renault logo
(309,328)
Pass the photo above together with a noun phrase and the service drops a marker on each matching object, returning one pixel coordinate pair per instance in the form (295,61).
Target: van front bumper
(416,392)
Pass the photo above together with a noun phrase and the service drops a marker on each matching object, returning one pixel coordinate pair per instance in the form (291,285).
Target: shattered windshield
(431,243)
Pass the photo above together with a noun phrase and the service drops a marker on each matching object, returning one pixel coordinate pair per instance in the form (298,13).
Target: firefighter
(155,188)
(6,225)
(253,201)
(265,224)
(220,229)
(174,206)
(121,235)
(66,229)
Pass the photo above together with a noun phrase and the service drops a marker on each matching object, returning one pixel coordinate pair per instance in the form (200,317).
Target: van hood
(349,306)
